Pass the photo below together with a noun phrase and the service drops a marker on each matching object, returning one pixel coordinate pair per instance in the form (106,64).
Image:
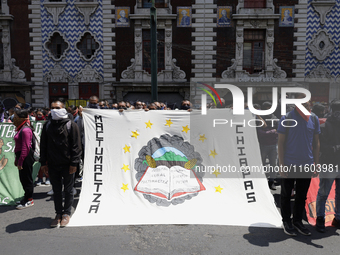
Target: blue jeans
(326,182)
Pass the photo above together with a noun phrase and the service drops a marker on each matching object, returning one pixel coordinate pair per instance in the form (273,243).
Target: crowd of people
(62,146)
(41,114)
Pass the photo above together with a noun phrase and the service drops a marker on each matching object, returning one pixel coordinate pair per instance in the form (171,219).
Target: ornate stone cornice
(88,74)
(86,9)
(17,74)
(320,74)
(57,74)
(55,9)
(177,73)
(129,73)
(278,73)
(323,8)
(230,72)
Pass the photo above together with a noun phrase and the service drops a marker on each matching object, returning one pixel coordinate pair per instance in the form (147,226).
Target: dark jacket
(268,136)
(60,143)
(330,140)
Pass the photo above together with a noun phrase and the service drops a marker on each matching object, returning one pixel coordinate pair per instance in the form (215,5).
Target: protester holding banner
(60,153)
(298,148)
(24,155)
(330,149)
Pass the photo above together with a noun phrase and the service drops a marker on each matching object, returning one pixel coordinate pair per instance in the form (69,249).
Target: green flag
(10,185)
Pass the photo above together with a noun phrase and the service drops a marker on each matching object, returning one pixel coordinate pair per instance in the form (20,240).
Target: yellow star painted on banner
(213,153)
(125,187)
(148,124)
(169,122)
(134,134)
(126,148)
(202,138)
(218,189)
(125,167)
(185,129)
(216,173)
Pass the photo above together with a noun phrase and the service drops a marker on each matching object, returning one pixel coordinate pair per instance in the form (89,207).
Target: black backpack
(35,145)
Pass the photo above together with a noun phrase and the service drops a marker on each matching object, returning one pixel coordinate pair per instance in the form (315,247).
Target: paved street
(28,232)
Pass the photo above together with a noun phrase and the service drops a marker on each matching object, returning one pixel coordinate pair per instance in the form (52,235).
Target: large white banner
(172,167)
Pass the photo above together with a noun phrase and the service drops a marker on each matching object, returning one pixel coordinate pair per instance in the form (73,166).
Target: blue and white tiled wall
(71,24)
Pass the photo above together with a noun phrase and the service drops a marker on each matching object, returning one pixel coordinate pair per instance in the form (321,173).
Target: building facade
(15,75)
(73,49)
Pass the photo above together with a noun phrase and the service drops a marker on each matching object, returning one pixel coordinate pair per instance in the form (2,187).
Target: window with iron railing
(254,51)
(147,50)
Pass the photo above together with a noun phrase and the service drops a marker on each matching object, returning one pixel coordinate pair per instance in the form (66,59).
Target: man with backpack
(298,148)
(60,153)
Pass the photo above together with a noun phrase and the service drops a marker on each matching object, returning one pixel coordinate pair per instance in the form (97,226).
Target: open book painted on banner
(172,167)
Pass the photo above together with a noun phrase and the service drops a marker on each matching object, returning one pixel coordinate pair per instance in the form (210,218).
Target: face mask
(185,107)
(58,114)
(94,106)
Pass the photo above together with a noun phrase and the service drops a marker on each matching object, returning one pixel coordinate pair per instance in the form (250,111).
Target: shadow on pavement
(264,236)
(40,195)
(6,208)
(29,225)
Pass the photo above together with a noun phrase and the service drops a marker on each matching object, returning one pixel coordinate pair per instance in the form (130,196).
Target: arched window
(57,45)
(87,46)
